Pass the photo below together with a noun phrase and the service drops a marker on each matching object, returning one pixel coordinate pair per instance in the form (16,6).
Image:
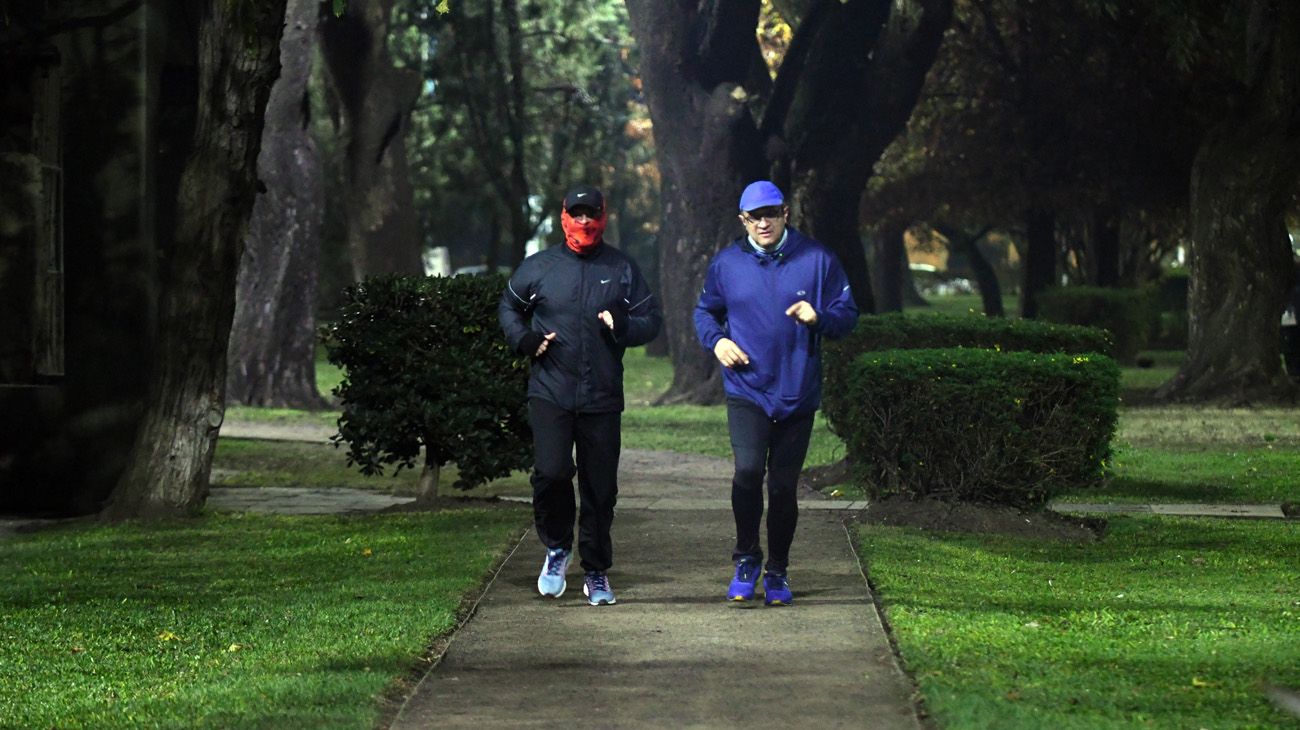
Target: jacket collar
(790,244)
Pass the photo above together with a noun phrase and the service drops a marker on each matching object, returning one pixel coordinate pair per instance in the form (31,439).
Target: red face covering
(582,238)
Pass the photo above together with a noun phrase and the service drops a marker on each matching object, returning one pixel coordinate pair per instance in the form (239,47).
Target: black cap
(584,195)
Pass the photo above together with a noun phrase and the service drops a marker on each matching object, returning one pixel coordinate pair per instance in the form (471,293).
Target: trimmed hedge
(1125,313)
(976,425)
(426,365)
(898,331)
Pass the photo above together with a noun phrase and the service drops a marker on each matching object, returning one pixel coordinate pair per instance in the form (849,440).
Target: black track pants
(597,436)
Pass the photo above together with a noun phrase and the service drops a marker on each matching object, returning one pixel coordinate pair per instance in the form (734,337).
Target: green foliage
(1166,623)
(239,621)
(426,365)
(1124,313)
(976,425)
(917,331)
(582,119)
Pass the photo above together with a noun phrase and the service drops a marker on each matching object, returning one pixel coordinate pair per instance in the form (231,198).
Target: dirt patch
(965,517)
(816,478)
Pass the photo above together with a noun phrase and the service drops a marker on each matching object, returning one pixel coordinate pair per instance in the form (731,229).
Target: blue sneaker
(598,590)
(551,582)
(776,590)
(742,586)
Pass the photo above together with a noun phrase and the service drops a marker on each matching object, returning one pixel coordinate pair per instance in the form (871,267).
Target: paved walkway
(672,652)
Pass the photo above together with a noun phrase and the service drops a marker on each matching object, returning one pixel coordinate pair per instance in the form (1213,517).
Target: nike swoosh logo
(604,281)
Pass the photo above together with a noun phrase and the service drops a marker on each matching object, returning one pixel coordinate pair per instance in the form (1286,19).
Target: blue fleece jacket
(745,296)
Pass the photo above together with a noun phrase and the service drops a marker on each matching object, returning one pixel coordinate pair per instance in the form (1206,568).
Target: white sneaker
(551,581)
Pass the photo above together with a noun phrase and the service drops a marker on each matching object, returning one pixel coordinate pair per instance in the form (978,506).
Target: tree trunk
(430,477)
(172,455)
(890,260)
(272,352)
(521,215)
(707,146)
(985,277)
(1241,263)
(376,97)
(911,295)
(828,117)
(855,71)
(1038,269)
(824,205)
(1103,259)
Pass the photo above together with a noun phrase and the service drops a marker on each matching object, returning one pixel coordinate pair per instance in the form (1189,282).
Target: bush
(976,425)
(1124,313)
(928,331)
(426,365)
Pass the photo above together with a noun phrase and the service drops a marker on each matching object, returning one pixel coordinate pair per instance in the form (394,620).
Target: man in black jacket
(574,309)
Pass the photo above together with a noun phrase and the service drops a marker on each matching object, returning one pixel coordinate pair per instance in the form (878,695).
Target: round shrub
(976,425)
(1125,313)
(426,366)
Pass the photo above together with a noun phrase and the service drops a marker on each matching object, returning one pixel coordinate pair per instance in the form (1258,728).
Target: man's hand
(802,311)
(607,318)
(546,341)
(729,354)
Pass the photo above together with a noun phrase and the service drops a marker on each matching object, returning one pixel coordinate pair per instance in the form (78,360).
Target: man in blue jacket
(574,309)
(769,298)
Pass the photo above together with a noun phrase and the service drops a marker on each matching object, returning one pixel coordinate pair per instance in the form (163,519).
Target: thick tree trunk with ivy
(376,99)
(844,91)
(694,67)
(171,458)
(272,351)
(1241,261)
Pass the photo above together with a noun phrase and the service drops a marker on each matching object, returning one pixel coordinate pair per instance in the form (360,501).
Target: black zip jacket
(559,291)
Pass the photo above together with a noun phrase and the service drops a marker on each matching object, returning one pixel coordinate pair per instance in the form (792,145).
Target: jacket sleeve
(837,313)
(711,310)
(514,313)
(643,316)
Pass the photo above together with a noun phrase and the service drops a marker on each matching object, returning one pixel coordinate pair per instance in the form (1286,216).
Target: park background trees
(1096,139)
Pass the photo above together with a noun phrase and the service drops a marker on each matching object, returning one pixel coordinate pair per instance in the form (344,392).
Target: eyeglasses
(772,214)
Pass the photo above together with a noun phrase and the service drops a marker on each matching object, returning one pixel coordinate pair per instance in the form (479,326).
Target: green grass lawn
(251,463)
(1164,365)
(1166,623)
(968,304)
(1190,454)
(232,621)
(250,621)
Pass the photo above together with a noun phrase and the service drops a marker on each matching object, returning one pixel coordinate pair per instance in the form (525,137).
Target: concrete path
(672,652)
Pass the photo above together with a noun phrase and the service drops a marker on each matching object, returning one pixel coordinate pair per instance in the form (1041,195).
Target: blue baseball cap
(761,194)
